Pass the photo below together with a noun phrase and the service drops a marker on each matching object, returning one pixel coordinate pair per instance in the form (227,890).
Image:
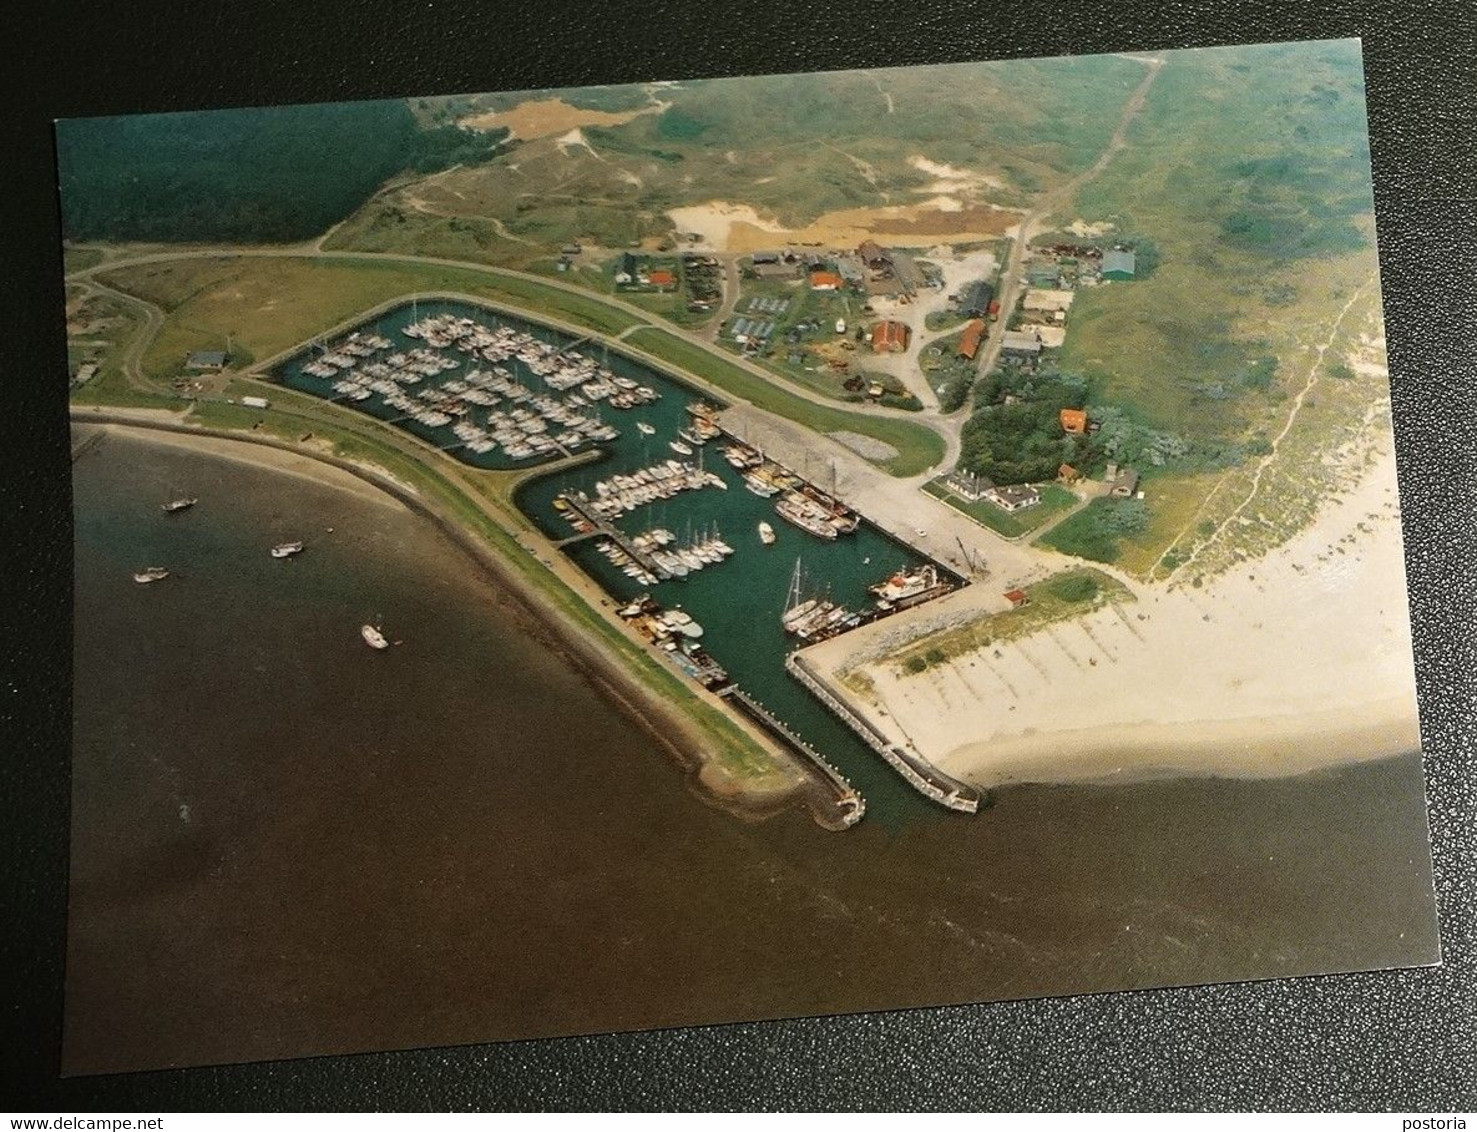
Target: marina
(654,511)
(496,392)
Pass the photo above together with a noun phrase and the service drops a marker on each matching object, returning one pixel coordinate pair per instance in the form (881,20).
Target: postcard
(584,560)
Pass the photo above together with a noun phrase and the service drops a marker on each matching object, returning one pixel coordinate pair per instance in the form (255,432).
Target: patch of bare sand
(541,117)
(726,226)
(278,459)
(1299,660)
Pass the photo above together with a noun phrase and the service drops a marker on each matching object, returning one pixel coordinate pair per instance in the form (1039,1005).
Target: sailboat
(796,610)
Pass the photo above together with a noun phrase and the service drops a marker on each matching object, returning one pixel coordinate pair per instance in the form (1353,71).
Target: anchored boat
(373,637)
(150,574)
(182,504)
(286,549)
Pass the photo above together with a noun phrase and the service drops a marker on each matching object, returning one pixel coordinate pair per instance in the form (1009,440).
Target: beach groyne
(918,772)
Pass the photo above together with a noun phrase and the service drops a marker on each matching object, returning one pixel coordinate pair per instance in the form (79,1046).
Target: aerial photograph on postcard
(572,561)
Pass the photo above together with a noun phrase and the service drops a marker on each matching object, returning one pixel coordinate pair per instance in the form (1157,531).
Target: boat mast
(793,598)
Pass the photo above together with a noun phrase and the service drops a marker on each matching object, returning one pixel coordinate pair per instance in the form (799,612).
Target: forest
(260,175)
(1022,441)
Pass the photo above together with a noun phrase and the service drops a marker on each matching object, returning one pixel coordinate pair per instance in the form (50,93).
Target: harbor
(723,559)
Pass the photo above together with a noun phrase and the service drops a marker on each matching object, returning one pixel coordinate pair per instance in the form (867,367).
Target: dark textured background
(1395,1040)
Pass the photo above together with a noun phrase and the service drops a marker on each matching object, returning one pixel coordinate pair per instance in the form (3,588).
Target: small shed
(1119,264)
(1067,474)
(207,360)
(661,278)
(1074,421)
(1125,483)
(1017,598)
(873,254)
(1020,344)
(825,281)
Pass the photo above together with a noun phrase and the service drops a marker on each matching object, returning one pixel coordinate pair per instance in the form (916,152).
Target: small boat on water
(181,504)
(766,534)
(680,448)
(286,549)
(150,574)
(645,429)
(373,637)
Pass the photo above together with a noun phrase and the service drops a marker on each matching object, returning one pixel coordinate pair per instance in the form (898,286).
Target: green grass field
(267,304)
(1054,500)
(918,448)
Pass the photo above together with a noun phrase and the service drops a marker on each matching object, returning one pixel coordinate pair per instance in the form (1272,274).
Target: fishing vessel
(182,504)
(150,574)
(806,514)
(766,533)
(905,584)
(373,637)
(286,549)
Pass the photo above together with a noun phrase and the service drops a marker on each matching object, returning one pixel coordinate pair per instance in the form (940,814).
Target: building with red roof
(969,345)
(890,337)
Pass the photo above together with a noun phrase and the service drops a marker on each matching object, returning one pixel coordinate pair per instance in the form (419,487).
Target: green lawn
(269,304)
(918,448)
(1054,500)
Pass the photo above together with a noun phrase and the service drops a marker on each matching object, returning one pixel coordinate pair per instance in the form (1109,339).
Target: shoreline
(1297,661)
(667,726)
(1259,748)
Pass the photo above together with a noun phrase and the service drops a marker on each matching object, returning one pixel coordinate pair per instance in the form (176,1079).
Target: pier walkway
(920,774)
(849,799)
(611,531)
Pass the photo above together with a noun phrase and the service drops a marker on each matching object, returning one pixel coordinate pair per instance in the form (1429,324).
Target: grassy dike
(749,775)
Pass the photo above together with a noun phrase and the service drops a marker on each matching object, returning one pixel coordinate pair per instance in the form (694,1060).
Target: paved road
(1033,222)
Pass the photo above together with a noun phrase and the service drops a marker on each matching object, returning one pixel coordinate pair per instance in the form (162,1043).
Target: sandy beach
(731,227)
(262,455)
(1297,661)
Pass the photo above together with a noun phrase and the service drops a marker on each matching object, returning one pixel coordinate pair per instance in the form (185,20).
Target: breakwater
(919,773)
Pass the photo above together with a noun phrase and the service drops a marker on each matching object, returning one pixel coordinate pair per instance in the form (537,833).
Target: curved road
(947,426)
